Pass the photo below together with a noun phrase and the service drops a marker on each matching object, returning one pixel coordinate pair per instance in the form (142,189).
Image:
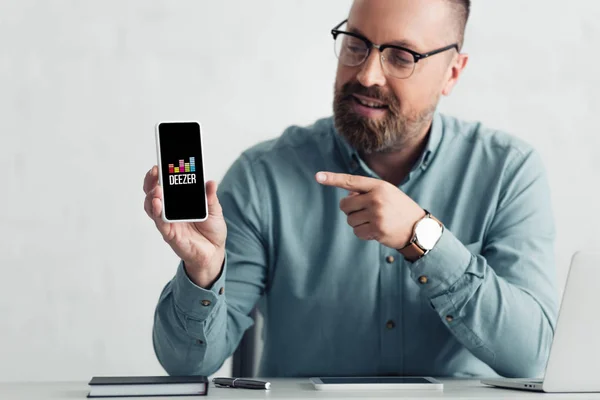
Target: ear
(455,69)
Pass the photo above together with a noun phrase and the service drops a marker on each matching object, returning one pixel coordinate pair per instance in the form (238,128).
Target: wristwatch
(426,234)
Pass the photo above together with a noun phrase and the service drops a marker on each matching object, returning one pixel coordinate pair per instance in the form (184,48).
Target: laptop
(573,361)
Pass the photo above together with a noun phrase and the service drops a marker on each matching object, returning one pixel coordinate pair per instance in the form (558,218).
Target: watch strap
(412,252)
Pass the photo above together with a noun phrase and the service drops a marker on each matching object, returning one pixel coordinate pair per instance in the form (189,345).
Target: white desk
(290,389)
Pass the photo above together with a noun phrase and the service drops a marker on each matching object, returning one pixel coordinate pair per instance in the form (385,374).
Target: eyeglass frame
(381,47)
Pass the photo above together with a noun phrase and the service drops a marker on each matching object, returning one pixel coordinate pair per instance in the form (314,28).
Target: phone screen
(181,168)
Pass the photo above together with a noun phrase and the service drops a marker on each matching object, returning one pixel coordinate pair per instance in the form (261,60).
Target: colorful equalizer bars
(183,166)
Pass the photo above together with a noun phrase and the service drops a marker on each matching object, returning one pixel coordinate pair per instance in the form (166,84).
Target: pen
(241,383)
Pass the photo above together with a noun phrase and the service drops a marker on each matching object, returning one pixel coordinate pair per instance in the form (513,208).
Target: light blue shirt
(337,305)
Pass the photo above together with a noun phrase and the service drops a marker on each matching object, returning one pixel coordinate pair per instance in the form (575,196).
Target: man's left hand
(376,209)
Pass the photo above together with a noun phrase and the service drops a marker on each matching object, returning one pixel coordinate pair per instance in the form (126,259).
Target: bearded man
(388,239)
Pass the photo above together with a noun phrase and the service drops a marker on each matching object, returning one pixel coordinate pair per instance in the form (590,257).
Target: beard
(376,135)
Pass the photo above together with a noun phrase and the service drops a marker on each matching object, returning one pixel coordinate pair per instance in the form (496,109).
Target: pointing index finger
(354,183)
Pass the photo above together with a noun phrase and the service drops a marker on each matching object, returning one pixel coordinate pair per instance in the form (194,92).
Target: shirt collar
(349,154)
(433,142)
(352,159)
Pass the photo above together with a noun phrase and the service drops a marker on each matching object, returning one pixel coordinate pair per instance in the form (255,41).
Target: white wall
(82,84)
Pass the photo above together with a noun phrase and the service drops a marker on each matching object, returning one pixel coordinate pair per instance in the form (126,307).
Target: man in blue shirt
(389,239)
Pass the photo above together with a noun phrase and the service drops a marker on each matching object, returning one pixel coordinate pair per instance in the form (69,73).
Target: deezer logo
(184,179)
(180,173)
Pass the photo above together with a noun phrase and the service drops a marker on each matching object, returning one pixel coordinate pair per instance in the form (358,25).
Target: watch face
(428,232)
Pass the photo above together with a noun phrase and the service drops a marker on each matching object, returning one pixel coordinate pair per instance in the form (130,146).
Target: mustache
(375,92)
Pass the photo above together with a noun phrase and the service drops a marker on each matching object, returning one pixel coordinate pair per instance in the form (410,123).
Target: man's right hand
(201,245)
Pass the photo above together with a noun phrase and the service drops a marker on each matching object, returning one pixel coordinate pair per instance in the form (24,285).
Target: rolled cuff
(441,267)
(192,300)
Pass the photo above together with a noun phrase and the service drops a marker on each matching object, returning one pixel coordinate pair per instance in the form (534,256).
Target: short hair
(462,10)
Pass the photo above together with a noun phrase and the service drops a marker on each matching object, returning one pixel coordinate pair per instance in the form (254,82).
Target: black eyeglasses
(353,49)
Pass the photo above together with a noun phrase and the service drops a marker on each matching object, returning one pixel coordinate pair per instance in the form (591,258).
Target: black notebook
(135,386)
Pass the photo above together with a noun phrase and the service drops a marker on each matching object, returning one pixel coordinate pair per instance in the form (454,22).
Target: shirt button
(423,280)
(449,318)
(222,290)
(389,259)
(390,324)
(205,303)
(199,342)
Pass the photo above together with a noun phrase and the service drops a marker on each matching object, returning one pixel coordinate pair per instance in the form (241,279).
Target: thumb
(214,207)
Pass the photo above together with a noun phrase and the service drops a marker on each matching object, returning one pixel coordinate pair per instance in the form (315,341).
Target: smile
(368,102)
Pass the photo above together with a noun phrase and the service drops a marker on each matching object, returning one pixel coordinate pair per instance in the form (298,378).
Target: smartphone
(181,171)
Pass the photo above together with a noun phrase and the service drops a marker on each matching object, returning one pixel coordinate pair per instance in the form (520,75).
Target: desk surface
(290,389)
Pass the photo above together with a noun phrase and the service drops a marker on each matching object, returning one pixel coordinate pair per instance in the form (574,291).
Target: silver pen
(241,383)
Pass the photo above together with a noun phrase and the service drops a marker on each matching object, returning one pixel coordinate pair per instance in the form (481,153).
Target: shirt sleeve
(502,302)
(195,329)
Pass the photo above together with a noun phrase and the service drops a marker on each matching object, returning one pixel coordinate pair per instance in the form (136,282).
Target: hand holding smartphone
(185,210)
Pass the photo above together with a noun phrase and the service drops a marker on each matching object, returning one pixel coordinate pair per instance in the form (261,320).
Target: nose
(371,72)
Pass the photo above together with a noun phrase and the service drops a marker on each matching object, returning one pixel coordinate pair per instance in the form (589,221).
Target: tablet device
(376,383)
